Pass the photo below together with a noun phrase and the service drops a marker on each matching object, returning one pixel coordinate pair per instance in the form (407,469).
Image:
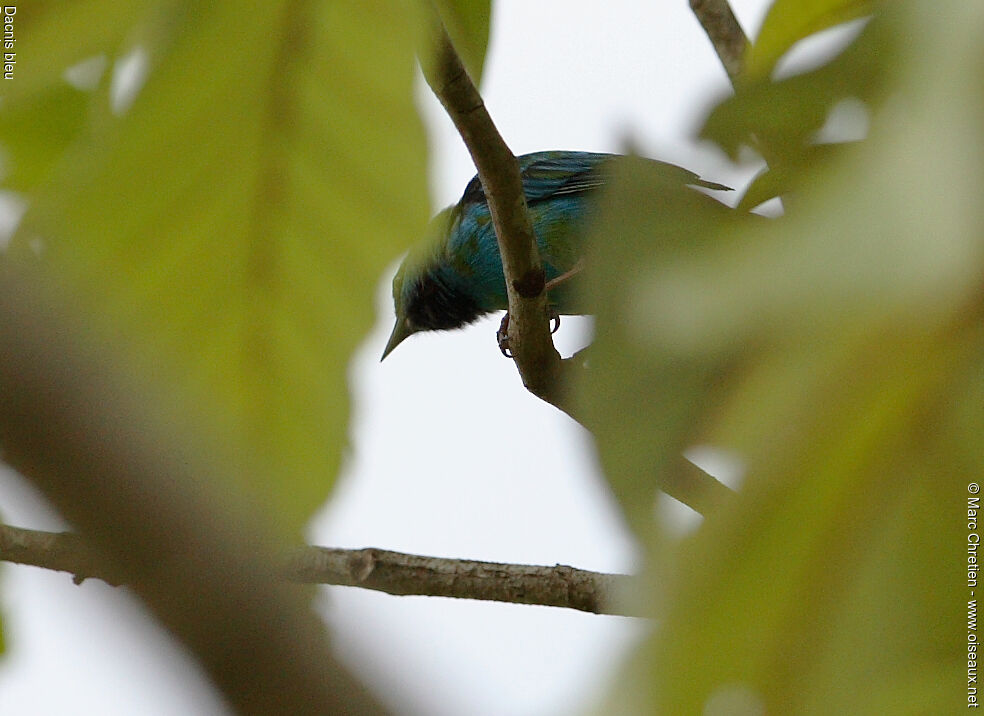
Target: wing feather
(558,173)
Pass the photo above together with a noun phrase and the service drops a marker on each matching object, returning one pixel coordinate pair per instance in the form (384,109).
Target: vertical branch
(536,358)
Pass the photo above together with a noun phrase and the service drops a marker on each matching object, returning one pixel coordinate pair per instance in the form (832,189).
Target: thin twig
(724,32)
(696,488)
(369,568)
(731,45)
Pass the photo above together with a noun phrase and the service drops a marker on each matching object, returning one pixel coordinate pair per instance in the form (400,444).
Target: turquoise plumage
(454,276)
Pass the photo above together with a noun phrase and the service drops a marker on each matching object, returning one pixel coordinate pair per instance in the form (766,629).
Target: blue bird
(454,275)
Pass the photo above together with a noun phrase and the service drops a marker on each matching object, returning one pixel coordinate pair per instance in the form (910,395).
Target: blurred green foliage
(839,351)
(788,22)
(223,228)
(225,232)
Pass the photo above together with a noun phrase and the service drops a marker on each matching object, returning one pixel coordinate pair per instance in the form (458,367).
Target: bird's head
(425,294)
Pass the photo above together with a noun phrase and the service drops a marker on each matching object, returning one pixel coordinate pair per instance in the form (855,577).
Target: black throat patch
(433,305)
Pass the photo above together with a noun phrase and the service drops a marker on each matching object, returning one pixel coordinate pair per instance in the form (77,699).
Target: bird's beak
(400,332)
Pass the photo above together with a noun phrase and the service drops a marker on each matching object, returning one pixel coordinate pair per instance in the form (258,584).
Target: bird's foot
(502,335)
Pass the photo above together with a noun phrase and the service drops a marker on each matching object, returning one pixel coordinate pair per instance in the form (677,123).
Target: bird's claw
(502,335)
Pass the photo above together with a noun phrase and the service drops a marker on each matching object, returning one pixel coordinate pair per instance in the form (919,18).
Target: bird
(454,275)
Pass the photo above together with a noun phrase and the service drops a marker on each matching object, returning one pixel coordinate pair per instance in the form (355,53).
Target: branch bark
(538,362)
(724,32)
(369,568)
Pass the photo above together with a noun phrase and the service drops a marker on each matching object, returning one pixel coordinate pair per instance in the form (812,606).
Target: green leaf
(228,231)
(42,114)
(789,21)
(785,115)
(467,23)
(786,178)
(656,219)
(52,35)
(843,507)
(839,351)
(36,132)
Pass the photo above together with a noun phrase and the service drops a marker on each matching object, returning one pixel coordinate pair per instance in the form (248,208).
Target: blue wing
(547,174)
(556,173)
(558,185)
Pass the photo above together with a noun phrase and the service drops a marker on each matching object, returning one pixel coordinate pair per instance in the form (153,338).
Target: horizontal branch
(57,551)
(370,568)
(405,574)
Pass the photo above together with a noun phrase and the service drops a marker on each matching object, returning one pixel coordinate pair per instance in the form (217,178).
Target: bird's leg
(553,283)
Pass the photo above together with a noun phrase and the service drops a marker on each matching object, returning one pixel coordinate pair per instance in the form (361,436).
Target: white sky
(451,456)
